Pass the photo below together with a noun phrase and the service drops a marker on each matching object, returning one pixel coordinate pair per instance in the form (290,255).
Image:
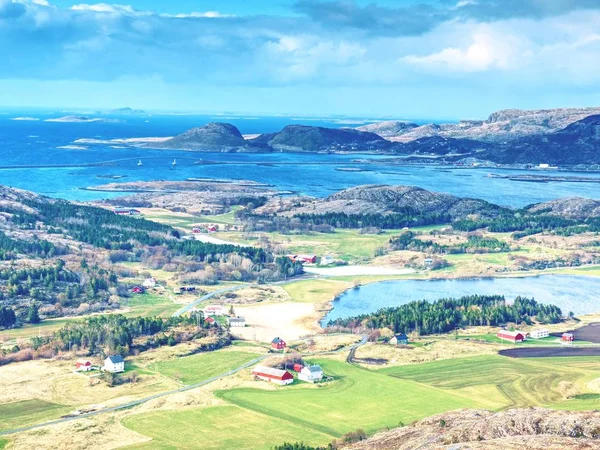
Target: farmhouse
(399,339)
(311,374)
(540,333)
(149,283)
(214,310)
(567,337)
(306,259)
(236,321)
(281,377)
(114,364)
(278,344)
(83,365)
(127,212)
(511,336)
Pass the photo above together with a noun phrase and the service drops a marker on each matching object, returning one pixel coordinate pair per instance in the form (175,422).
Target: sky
(412,59)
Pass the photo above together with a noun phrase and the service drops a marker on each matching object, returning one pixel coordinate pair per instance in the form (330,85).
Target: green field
(196,368)
(508,382)
(316,291)
(27,412)
(3,443)
(357,398)
(217,428)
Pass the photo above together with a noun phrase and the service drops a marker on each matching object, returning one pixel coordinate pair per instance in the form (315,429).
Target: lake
(40,143)
(579,294)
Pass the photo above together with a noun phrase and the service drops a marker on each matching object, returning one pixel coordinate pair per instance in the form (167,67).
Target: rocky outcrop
(382,199)
(211,137)
(524,429)
(500,126)
(300,138)
(389,128)
(570,208)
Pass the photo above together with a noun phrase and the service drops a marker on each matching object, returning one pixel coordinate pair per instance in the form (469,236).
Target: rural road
(136,402)
(164,394)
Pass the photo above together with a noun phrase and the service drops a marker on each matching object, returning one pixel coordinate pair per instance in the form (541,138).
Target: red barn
(281,377)
(83,365)
(298,367)
(307,259)
(567,337)
(512,336)
(278,344)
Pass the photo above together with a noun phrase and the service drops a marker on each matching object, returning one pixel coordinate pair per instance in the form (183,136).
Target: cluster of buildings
(309,374)
(212,311)
(113,364)
(205,229)
(521,336)
(127,212)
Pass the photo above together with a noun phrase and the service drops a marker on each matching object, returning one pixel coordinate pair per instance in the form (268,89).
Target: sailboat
(140,163)
(174,163)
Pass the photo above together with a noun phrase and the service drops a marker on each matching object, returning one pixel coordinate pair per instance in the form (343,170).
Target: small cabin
(399,339)
(567,337)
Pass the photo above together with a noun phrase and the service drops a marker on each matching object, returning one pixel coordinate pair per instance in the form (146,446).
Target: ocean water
(578,294)
(38,143)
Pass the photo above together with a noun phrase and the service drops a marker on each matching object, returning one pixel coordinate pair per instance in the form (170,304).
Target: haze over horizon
(408,59)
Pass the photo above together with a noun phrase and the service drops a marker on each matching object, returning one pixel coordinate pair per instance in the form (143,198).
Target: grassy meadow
(196,368)
(27,412)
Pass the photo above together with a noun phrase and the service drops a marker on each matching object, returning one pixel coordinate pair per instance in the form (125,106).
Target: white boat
(140,163)
(174,163)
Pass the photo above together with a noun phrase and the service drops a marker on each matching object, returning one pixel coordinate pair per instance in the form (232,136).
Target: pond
(579,294)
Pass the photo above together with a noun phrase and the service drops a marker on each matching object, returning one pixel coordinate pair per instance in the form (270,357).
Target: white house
(236,321)
(327,260)
(114,364)
(214,310)
(311,374)
(149,283)
(539,333)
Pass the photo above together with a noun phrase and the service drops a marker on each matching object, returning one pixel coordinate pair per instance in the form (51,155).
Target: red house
(83,365)
(210,320)
(196,230)
(298,367)
(567,337)
(138,290)
(512,336)
(213,229)
(278,344)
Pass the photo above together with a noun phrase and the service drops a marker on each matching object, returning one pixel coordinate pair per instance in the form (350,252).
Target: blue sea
(37,142)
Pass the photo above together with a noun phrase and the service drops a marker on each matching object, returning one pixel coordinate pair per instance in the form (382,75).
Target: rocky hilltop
(210,137)
(301,138)
(570,208)
(382,199)
(499,126)
(524,429)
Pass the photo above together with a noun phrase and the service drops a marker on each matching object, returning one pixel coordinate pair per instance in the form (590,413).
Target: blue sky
(405,59)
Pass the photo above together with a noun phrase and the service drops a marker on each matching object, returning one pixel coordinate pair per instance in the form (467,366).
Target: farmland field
(508,382)
(218,428)
(332,408)
(316,291)
(19,414)
(193,369)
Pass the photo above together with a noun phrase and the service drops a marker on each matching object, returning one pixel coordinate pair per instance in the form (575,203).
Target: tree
(33,314)
(231,311)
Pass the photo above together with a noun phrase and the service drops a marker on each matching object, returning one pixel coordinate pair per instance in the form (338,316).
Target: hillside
(211,137)
(570,208)
(499,126)
(525,429)
(301,138)
(382,199)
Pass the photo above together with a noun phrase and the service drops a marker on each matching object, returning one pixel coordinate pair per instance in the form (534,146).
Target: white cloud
(484,52)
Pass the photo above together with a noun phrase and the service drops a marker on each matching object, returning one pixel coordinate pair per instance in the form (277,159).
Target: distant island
(81,119)
(544,139)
